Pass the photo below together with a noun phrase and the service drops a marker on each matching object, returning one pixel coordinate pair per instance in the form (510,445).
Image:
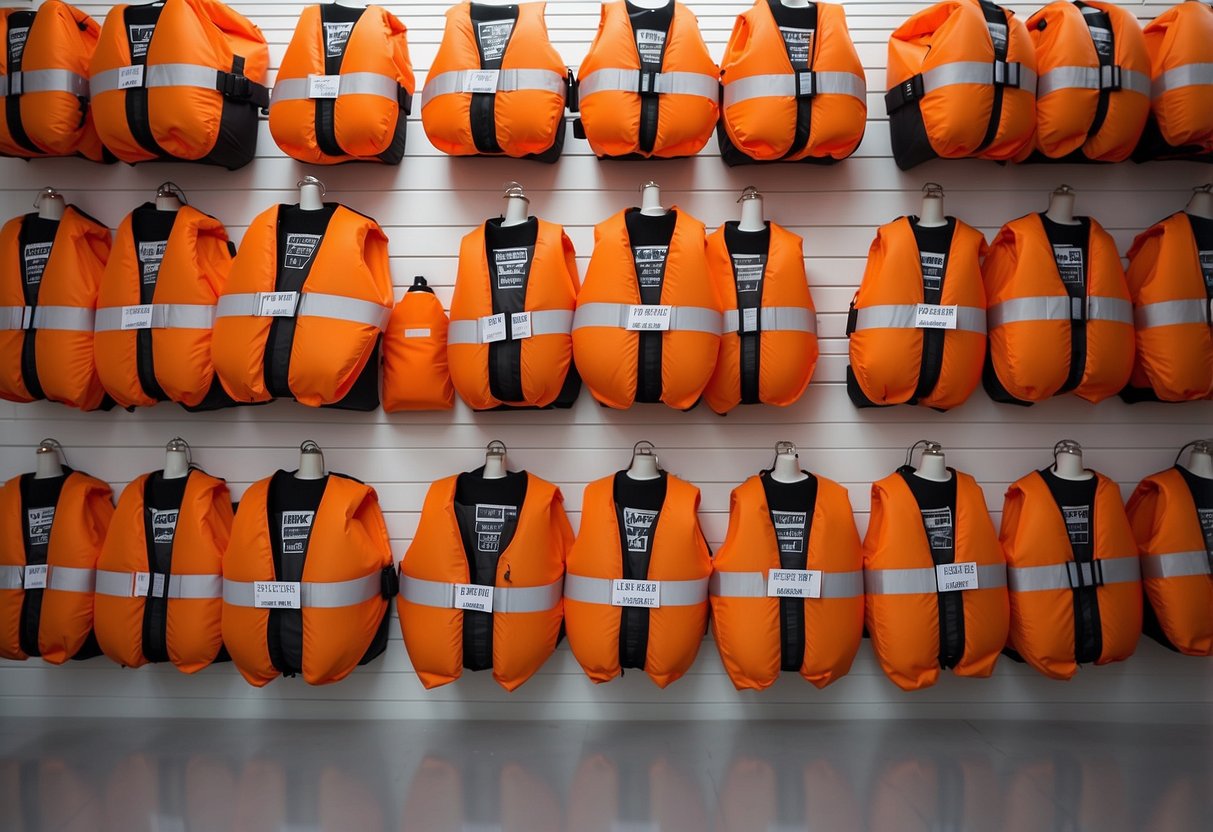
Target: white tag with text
(277,304)
(35,576)
(276,595)
(931,316)
(137,317)
(130,77)
(625,593)
(473,597)
(956,577)
(492,328)
(481,80)
(749,320)
(520,325)
(323,86)
(649,317)
(794,583)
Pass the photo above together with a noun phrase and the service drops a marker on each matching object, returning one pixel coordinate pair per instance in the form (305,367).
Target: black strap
(12,101)
(1004,73)
(1109,72)
(907,92)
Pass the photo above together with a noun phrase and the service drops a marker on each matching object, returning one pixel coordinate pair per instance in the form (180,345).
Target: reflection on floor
(159,775)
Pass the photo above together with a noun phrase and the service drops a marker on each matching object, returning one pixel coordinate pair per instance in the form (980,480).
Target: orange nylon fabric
(416,375)
(1180,40)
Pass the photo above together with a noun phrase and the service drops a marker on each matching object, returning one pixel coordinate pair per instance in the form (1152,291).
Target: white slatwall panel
(426,205)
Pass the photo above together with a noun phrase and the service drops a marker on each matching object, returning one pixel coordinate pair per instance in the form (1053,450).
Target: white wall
(425,205)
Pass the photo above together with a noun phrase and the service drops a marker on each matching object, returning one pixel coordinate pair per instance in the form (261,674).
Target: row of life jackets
(919,323)
(298,582)
(1076,82)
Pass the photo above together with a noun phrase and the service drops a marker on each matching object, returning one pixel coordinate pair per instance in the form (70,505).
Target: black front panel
(798,28)
(748,253)
(650,28)
(791,506)
(299,236)
(649,238)
(996,24)
(1104,38)
(934,248)
(15,35)
(638,505)
(487,513)
(1202,231)
(937,504)
(140,24)
(39,499)
(493,27)
(291,507)
(151,229)
(1071,253)
(336,25)
(162,500)
(510,253)
(1075,500)
(34,241)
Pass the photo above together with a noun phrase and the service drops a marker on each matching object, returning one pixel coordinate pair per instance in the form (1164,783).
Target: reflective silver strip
(311,304)
(505,599)
(16,317)
(664,83)
(543,322)
(164,316)
(1176,564)
(672,593)
(1090,78)
(508,80)
(160,75)
(1188,75)
(901,316)
(1172,312)
(775,319)
(352,83)
(922,581)
(1055,308)
(67,318)
(682,318)
(71,579)
(44,80)
(1071,574)
(784,84)
(12,577)
(117,584)
(189,587)
(973,72)
(754,584)
(328,595)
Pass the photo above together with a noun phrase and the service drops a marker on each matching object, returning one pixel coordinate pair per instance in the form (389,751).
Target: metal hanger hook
(495,448)
(1067,446)
(52,446)
(1063,190)
(48,191)
(928,446)
(311,180)
(645,448)
(179,444)
(1198,446)
(933,189)
(309,446)
(750,192)
(172,189)
(1206,188)
(514,189)
(649,184)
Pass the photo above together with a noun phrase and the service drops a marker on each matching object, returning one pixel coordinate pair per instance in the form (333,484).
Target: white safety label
(789,530)
(748,270)
(749,319)
(493,328)
(799,43)
(151,254)
(998,34)
(625,593)
(650,265)
(1069,264)
(276,595)
(956,577)
(490,523)
(323,86)
(638,526)
(938,525)
(277,304)
(137,317)
(932,263)
(1103,40)
(16,44)
(296,529)
(130,77)
(164,525)
(511,266)
(40,521)
(149,583)
(336,35)
(649,317)
(493,36)
(140,37)
(482,81)
(299,250)
(932,316)
(1078,523)
(650,43)
(473,597)
(794,583)
(35,256)
(34,576)
(520,325)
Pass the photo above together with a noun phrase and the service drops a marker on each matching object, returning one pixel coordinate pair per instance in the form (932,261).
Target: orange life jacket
(44,82)
(307,577)
(787,585)
(1180,43)
(1093,91)
(1171,281)
(179,79)
(636,592)
(648,321)
(960,76)
(759,791)
(648,86)
(302,312)
(1174,535)
(1073,573)
(480,586)
(935,579)
(50,272)
(160,575)
(1060,317)
(497,85)
(768,349)
(415,371)
(156,307)
(618,786)
(510,342)
(794,88)
(345,87)
(449,795)
(917,326)
(51,532)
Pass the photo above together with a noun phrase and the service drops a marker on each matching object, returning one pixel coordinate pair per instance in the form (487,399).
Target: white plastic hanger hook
(180,446)
(514,190)
(311,180)
(46,193)
(646,448)
(52,446)
(168,188)
(936,190)
(928,446)
(750,192)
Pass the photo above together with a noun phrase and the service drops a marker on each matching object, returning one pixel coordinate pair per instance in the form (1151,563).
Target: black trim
(1088,632)
(163,494)
(931,366)
(138,119)
(1098,19)
(642,232)
(483,109)
(505,357)
(1153,146)
(34,229)
(634,621)
(650,100)
(49,491)
(148,224)
(284,629)
(801,18)
(12,101)
(797,496)
(325,123)
(1056,234)
(737,241)
(996,15)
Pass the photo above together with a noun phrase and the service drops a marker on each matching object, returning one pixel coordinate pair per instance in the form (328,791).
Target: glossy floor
(160,775)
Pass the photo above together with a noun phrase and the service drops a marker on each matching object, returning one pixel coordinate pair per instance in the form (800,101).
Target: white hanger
(169,197)
(650,200)
(752,218)
(50,204)
(177,459)
(311,193)
(1201,203)
(786,467)
(932,464)
(644,465)
(494,460)
(1067,461)
(1200,461)
(932,215)
(1061,205)
(311,462)
(50,459)
(517,205)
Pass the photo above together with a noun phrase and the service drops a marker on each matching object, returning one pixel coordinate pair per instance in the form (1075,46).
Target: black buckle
(232,85)
(806,84)
(404,99)
(1007,74)
(572,97)
(1085,574)
(852,319)
(389,582)
(1078,309)
(1109,78)
(647,85)
(578,129)
(907,92)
